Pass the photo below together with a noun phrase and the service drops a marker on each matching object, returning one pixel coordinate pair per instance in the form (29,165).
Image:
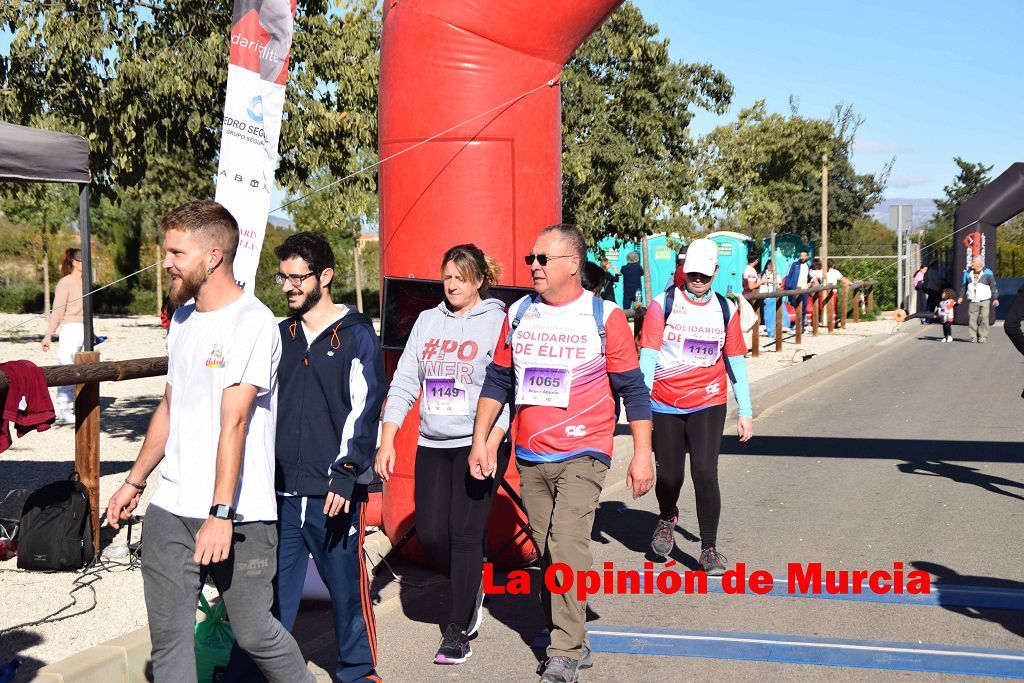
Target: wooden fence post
(799,319)
(755,340)
(87,442)
(845,306)
(816,312)
(779,306)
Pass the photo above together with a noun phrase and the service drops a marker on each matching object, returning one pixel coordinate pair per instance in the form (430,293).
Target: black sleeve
(1013,320)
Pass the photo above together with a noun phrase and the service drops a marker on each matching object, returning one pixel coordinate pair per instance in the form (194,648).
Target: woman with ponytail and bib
(691,342)
(443,364)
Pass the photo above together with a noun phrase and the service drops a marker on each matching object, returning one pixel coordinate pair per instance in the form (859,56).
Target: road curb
(126,659)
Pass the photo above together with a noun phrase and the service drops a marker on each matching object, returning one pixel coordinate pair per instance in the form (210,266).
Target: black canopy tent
(976,220)
(40,156)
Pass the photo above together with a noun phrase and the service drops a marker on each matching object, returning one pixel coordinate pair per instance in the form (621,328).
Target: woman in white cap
(691,342)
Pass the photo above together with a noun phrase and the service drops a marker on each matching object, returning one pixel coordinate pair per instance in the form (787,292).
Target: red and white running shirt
(563,398)
(690,374)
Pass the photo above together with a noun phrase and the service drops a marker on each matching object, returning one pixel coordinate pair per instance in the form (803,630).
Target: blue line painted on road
(786,649)
(942,595)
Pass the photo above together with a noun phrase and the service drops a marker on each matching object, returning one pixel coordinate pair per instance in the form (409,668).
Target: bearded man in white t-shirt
(214,513)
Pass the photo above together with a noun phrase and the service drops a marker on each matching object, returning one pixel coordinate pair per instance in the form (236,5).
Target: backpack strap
(523,307)
(670,300)
(724,303)
(598,304)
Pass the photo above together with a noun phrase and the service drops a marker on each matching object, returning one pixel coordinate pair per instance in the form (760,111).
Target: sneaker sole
(441,659)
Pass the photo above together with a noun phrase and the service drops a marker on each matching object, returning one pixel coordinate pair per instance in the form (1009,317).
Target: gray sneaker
(712,562)
(664,538)
(586,659)
(559,670)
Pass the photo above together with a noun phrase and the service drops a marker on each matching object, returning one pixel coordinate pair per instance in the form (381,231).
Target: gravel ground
(39,458)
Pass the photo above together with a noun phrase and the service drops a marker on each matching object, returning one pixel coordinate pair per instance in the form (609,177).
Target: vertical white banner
(261,39)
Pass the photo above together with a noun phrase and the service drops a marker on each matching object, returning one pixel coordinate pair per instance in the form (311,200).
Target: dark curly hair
(311,247)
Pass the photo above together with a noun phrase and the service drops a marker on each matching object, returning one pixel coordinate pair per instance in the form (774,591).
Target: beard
(308,301)
(188,286)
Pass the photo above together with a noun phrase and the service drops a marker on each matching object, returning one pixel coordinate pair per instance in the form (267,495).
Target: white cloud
(908,179)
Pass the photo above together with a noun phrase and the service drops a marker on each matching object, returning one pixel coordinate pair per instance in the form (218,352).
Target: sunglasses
(699,277)
(542,259)
(294,280)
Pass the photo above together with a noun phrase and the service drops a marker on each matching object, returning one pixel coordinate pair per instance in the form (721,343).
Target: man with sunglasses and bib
(691,341)
(560,352)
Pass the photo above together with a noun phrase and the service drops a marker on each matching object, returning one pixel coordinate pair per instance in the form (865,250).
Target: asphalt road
(907,452)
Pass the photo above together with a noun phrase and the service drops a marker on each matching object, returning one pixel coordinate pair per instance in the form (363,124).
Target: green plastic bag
(214,640)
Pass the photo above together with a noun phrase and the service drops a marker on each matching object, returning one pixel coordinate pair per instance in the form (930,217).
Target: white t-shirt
(207,353)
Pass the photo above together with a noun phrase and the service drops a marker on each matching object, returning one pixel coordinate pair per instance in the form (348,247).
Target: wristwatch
(222,512)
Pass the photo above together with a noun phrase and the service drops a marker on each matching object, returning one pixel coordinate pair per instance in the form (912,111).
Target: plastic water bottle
(114,552)
(638,297)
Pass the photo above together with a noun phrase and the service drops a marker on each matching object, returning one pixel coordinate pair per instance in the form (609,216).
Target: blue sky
(932,80)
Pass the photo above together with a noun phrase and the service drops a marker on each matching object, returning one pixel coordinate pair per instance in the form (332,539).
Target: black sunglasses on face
(542,259)
(294,280)
(699,277)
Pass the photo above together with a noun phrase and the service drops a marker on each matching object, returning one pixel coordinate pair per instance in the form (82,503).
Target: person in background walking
(980,288)
(769,283)
(609,278)
(946,314)
(932,285)
(798,277)
(919,294)
(67,313)
(632,279)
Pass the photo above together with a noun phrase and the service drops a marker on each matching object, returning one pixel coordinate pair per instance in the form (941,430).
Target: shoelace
(714,555)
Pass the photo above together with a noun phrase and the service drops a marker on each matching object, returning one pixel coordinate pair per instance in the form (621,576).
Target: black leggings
(947,329)
(700,433)
(452,509)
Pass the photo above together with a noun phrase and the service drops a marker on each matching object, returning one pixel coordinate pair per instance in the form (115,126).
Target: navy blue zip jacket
(328,407)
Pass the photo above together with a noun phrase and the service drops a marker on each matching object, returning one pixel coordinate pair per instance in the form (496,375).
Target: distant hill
(923,211)
(281,222)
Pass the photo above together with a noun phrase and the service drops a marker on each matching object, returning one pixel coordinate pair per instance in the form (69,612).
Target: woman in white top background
(67,314)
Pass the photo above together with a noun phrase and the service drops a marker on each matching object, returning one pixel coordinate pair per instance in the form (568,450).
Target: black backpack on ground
(56,527)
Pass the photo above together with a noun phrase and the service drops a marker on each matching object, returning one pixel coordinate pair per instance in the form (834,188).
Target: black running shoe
(664,538)
(454,647)
(712,562)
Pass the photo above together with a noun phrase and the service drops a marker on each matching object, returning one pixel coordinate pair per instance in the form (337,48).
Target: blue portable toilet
(732,260)
(660,260)
(787,250)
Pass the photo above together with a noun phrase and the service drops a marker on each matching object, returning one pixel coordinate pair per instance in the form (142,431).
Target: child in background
(945,311)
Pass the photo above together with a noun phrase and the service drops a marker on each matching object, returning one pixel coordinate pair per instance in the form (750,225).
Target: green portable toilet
(732,260)
(787,250)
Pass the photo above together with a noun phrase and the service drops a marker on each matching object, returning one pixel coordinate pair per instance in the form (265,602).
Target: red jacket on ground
(26,381)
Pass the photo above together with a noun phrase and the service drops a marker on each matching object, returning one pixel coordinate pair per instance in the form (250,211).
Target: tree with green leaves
(763,173)
(969,179)
(627,153)
(144,82)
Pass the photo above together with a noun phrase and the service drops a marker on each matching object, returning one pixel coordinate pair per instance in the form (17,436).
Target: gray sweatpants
(172,581)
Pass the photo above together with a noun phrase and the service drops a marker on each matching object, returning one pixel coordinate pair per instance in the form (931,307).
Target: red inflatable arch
(494,181)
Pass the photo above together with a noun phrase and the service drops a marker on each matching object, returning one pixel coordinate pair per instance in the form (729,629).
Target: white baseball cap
(701,257)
